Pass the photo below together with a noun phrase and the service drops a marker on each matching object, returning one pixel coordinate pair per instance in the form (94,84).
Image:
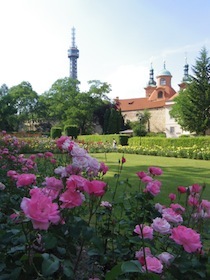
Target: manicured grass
(176,172)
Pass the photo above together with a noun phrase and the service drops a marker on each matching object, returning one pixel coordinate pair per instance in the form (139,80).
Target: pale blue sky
(117,40)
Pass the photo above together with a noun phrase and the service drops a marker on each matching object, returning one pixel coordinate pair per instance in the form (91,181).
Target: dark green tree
(192,106)
(7,110)
(18,106)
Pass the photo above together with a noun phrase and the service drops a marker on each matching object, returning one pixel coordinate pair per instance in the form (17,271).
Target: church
(158,100)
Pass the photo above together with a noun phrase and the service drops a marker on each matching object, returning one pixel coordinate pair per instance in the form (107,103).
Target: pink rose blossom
(106,204)
(25,180)
(80,162)
(161,225)
(159,207)
(155,171)
(182,189)
(40,209)
(147,179)
(71,198)
(177,208)
(153,187)
(60,170)
(195,188)
(52,193)
(95,187)
(2,186)
(78,151)
(153,265)
(12,174)
(141,174)
(140,254)
(53,183)
(193,200)
(60,141)
(171,216)
(72,170)
(123,160)
(166,258)
(144,231)
(172,196)
(103,168)
(186,237)
(48,154)
(76,182)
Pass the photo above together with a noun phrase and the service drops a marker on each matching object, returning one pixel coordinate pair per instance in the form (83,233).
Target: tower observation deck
(73,54)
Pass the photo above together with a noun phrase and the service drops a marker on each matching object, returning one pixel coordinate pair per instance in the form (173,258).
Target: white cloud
(128,81)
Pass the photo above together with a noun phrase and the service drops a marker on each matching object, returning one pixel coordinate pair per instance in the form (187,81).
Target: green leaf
(131,266)
(50,264)
(114,272)
(50,242)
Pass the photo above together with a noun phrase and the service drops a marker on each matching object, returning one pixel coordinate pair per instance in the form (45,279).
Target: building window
(160,94)
(172,129)
(163,82)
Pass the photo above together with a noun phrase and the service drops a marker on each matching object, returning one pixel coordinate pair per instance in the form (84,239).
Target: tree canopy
(192,105)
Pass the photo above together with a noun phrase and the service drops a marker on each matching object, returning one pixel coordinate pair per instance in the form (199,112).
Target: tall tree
(192,106)
(7,110)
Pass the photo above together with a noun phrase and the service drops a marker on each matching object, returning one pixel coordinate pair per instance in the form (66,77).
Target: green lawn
(176,171)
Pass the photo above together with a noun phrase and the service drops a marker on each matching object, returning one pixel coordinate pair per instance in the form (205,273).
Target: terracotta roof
(167,91)
(135,104)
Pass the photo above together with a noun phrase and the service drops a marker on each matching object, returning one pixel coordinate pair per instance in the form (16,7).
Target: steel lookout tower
(73,54)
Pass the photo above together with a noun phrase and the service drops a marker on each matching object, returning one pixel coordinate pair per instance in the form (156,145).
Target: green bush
(107,138)
(71,130)
(168,142)
(55,132)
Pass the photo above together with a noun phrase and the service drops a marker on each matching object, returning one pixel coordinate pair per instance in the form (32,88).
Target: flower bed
(55,222)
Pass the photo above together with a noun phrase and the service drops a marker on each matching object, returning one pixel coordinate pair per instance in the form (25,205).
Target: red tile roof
(135,104)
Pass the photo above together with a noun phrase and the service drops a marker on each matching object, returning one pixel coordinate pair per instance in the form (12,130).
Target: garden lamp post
(140,120)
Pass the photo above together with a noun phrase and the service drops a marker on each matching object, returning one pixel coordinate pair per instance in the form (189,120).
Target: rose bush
(60,220)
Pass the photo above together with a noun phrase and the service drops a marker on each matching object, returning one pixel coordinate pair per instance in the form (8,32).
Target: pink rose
(106,204)
(71,198)
(177,208)
(186,237)
(123,160)
(155,171)
(40,209)
(95,187)
(25,180)
(171,216)
(182,189)
(60,141)
(12,174)
(2,186)
(140,254)
(161,226)
(144,231)
(153,265)
(77,182)
(147,179)
(166,258)
(195,188)
(103,168)
(159,207)
(48,154)
(141,174)
(193,200)
(172,196)
(53,183)
(153,187)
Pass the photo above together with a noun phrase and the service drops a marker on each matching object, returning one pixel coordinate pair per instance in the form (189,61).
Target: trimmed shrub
(55,132)
(71,130)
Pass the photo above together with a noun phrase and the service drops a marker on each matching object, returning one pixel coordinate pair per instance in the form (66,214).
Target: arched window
(160,94)
(163,82)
